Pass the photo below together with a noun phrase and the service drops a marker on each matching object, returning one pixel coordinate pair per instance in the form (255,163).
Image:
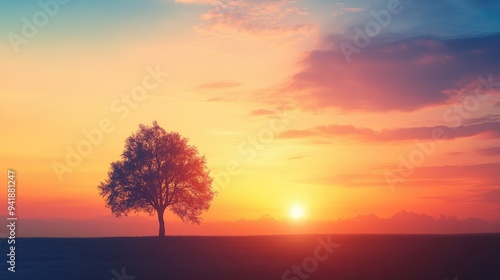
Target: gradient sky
(423,90)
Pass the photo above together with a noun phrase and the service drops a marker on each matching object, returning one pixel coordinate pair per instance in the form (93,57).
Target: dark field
(402,257)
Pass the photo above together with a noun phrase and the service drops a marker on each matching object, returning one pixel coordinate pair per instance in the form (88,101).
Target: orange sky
(264,86)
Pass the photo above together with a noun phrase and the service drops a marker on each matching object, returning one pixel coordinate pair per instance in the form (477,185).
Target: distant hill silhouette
(402,222)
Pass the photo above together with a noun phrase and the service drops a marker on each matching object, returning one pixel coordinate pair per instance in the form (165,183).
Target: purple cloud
(389,74)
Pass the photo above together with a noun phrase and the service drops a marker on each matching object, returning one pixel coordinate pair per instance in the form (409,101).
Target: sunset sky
(313,110)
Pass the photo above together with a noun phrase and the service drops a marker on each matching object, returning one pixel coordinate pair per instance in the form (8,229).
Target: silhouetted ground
(401,257)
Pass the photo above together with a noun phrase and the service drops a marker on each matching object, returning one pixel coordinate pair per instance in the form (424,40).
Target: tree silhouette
(158,170)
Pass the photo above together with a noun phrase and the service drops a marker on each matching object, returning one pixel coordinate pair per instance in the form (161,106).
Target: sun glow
(297,212)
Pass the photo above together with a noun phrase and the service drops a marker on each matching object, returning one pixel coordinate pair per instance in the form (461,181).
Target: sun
(297,212)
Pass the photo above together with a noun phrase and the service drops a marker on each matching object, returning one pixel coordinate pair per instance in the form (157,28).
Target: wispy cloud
(479,177)
(275,17)
(493,151)
(490,129)
(262,112)
(219,85)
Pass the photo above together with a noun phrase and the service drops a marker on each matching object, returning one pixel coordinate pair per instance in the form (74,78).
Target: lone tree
(158,170)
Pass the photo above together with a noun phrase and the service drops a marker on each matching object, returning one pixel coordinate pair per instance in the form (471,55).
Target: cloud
(487,129)
(347,180)
(490,196)
(391,74)
(342,10)
(219,85)
(221,99)
(274,17)
(487,118)
(298,157)
(493,151)
(197,1)
(262,112)
(480,178)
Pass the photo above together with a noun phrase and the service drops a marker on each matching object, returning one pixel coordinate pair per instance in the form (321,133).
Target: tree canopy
(158,171)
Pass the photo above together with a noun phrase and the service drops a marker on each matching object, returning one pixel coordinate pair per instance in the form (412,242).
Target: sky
(326,109)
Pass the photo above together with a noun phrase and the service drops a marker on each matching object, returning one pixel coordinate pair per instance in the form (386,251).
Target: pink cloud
(197,1)
(262,112)
(274,17)
(479,179)
(403,75)
(493,151)
(490,129)
(219,85)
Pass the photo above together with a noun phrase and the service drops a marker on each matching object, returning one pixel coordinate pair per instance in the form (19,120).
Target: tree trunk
(162,223)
